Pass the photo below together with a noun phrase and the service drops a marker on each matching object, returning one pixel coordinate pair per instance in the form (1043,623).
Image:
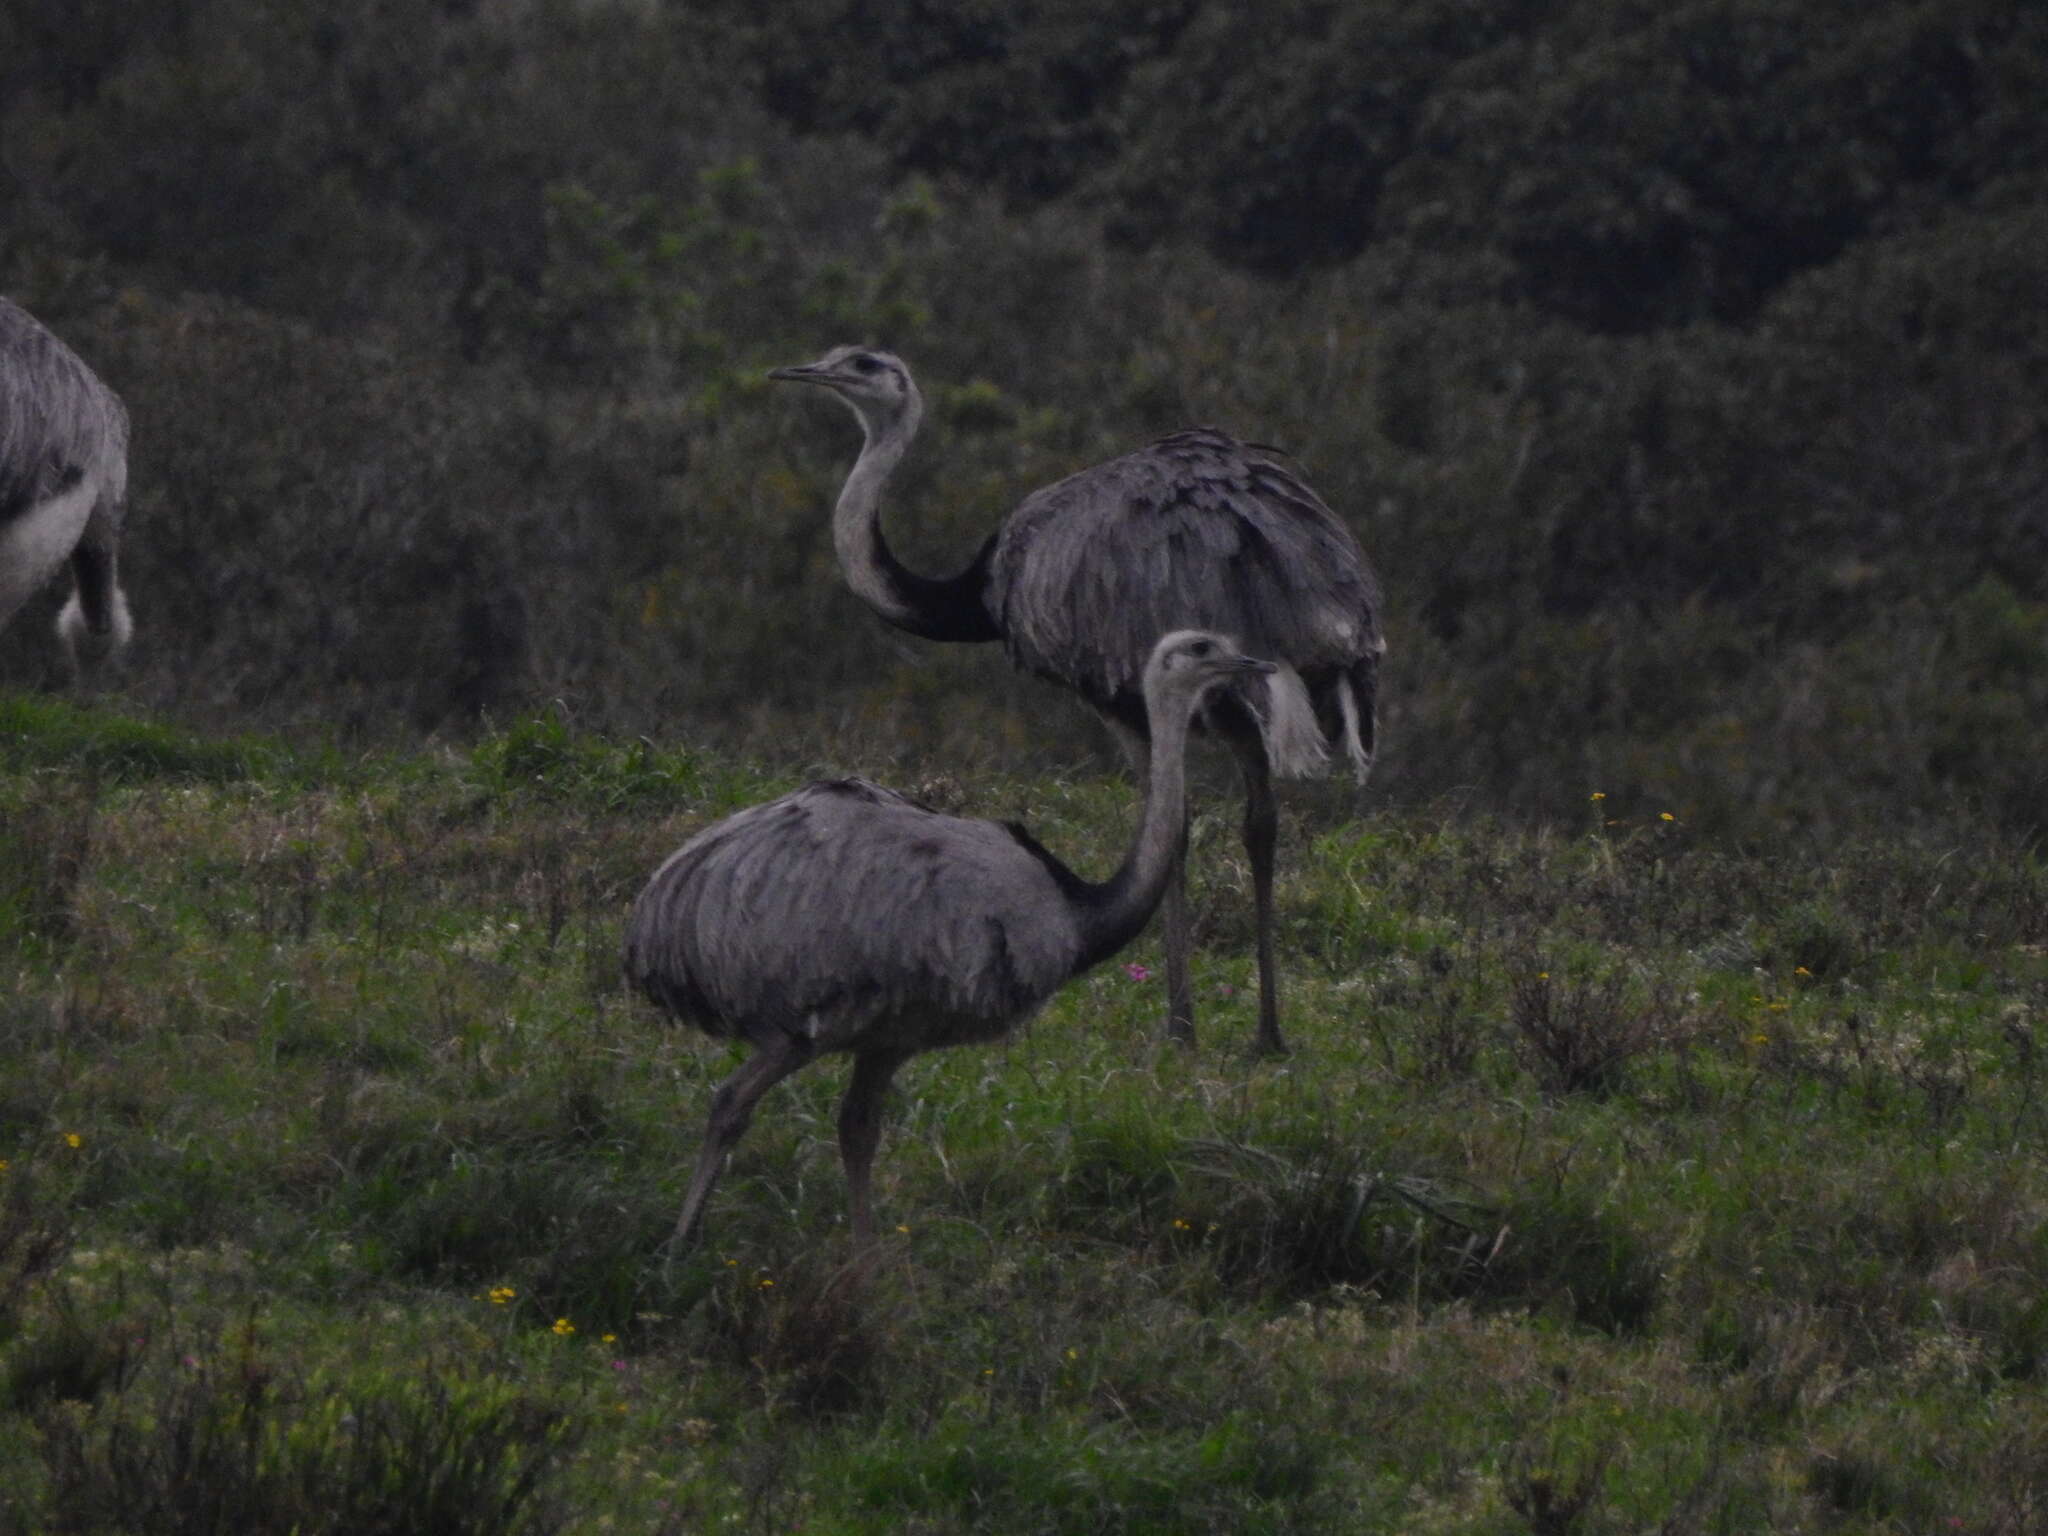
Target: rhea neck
(935,608)
(1116,911)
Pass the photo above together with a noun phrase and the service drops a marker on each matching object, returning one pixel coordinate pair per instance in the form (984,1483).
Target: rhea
(846,918)
(1194,530)
(63,487)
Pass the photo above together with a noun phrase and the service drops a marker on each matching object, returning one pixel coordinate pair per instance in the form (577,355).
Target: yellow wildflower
(73,1139)
(564,1327)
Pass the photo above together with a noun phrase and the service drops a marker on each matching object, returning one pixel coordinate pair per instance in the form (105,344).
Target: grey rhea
(844,917)
(1196,529)
(63,486)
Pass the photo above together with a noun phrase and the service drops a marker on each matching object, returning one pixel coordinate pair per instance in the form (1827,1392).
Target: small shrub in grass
(44,844)
(811,1333)
(1816,937)
(70,1356)
(62,1354)
(1431,1010)
(1551,1498)
(226,1440)
(1118,1167)
(1304,1221)
(1578,1034)
(1560,1248)
(35,1234)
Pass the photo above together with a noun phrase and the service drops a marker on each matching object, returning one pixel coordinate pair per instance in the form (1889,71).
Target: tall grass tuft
(236,1441)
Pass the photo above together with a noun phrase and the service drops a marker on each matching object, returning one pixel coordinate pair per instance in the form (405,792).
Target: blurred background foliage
(1683,366)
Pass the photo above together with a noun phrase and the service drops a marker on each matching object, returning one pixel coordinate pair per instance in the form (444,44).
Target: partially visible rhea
(63,487)
(846,918)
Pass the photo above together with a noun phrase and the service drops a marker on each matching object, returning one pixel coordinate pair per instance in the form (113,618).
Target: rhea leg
(732,1107)
(860,1131)
(1261,835)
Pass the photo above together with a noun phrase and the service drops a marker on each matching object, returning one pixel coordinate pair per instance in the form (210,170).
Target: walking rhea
(63,486)
(1195,530)
(844,917)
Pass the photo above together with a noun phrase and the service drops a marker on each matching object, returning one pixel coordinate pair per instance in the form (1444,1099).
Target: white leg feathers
(83,647)
(1295,744)
(1294,741)
(1354,745)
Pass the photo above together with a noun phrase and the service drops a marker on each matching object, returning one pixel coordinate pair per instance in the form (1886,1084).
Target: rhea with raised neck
(884,399)
(844,917)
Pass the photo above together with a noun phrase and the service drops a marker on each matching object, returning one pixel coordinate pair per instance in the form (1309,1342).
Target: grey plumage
(63,485)
(845,917)
(936,922)
(1196,529)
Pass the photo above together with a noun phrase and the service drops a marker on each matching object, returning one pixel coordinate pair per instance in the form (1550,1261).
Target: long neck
(1120,907)
(932,607)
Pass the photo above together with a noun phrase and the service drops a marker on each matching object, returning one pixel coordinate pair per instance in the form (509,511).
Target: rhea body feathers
(851,915)
(844,917)
(1197,530)
(63,485)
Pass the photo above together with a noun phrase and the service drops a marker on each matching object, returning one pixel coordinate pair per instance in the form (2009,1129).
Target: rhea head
(875,385)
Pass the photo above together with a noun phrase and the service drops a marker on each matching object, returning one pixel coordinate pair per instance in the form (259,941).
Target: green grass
(1622,1181)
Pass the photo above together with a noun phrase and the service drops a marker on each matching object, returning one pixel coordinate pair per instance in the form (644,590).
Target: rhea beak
(803,373)
(1235,674)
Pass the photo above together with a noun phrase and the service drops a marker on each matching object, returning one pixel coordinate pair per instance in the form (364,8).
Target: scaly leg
(732,1107)
(860,1130)
(1261,835)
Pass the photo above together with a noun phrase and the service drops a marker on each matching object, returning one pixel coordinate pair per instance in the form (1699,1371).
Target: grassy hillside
(1624,1180)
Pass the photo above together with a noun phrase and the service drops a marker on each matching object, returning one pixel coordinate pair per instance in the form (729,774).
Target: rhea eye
(1201,648)
(866,364)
